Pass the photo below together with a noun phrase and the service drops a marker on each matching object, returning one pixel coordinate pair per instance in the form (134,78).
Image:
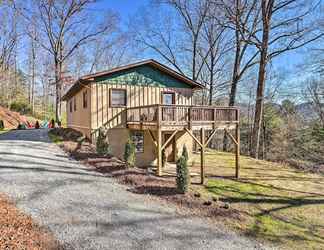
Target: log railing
(181,114)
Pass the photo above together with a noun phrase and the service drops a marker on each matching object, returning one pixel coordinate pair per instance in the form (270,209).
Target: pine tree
(129,154)
(185,153)
(183,178)
(102,145)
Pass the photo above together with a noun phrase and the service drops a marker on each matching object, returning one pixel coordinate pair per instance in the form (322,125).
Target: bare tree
(172,40)
(65,26)
(216,46)
(315,93)
(286,25)
(240,16)
(8,43)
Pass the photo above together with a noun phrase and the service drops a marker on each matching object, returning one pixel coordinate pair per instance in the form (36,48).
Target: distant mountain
(305,110)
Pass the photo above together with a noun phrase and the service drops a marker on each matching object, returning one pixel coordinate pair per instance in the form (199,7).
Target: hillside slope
(11,119)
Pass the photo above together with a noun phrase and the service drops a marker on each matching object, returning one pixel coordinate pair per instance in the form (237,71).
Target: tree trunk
(211,84)
(194,55)
(235,78)
(32,96)
(58,92)
(260,90)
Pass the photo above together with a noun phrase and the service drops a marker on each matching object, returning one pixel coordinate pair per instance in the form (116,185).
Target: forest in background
(265,56)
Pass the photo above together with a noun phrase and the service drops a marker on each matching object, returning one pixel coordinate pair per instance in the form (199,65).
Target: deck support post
(202,156)
(236,141)
(159,142)
(159,152)
(237,151)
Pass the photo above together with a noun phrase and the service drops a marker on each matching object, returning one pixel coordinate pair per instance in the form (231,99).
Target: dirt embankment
(12,119)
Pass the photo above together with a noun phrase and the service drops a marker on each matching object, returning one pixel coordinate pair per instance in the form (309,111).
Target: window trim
(173,97)
(117,105)
(142,132)
(85,99)
(71,105)
(74,104)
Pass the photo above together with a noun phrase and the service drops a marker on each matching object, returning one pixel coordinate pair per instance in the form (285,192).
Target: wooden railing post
(202,156)
(159,114)
(189,117)
(215,115)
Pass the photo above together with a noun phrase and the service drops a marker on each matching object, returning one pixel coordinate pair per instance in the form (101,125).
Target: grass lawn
(278,203)
(55,138)
(4,131)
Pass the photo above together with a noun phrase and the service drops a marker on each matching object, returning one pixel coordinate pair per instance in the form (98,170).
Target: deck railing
(181,114)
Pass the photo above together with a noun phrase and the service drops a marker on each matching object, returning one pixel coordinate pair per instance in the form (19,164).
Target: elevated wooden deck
(175,117)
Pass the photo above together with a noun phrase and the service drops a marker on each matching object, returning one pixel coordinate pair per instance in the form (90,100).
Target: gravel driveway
(86,210)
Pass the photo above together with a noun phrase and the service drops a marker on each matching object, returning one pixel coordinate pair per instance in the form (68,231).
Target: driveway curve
(86,210)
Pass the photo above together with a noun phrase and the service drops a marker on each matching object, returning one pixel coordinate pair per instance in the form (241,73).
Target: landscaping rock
(197,195)
(226,206)
(207,203)
(215,199)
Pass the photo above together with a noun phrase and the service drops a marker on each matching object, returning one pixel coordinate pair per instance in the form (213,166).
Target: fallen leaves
(18,231)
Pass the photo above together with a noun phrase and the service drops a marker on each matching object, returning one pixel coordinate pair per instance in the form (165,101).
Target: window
(74,104)
(168,98)
(70,102)
(118,98)
(138,139)
(85,99)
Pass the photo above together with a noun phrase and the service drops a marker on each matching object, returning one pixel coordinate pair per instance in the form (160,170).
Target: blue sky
(124,7)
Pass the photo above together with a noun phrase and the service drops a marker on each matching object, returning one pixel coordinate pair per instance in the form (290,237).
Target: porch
(171,117)
(158,119)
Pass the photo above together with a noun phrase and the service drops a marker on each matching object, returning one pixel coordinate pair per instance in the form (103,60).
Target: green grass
(278,203)
(4,131)
(55,138)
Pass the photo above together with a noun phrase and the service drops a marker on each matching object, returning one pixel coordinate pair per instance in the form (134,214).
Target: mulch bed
(18,231)
(140,181)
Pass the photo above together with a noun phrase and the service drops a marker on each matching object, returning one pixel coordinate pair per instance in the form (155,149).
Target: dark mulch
(141,181)
(18,231)
(67,134)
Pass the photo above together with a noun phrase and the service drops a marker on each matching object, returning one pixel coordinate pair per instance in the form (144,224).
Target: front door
(168,98)
(170,148)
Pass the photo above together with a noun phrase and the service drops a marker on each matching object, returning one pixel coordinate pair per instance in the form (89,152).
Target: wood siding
(79,119)
(115,117)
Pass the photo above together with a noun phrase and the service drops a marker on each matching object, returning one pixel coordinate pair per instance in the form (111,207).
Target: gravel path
(86,210)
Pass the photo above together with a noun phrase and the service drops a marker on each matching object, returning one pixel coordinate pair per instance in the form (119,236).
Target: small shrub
(21,126)
(129,154)
(102,145)
(185,153)
(37,125)
(182,175)
(1,125)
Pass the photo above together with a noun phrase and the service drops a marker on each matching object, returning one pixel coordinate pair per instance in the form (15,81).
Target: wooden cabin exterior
(148,102)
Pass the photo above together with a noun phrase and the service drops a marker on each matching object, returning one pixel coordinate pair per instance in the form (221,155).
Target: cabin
(149,103)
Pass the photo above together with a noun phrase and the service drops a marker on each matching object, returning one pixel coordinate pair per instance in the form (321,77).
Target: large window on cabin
(71,104)
(138,139)
(168,98)
(118,98)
